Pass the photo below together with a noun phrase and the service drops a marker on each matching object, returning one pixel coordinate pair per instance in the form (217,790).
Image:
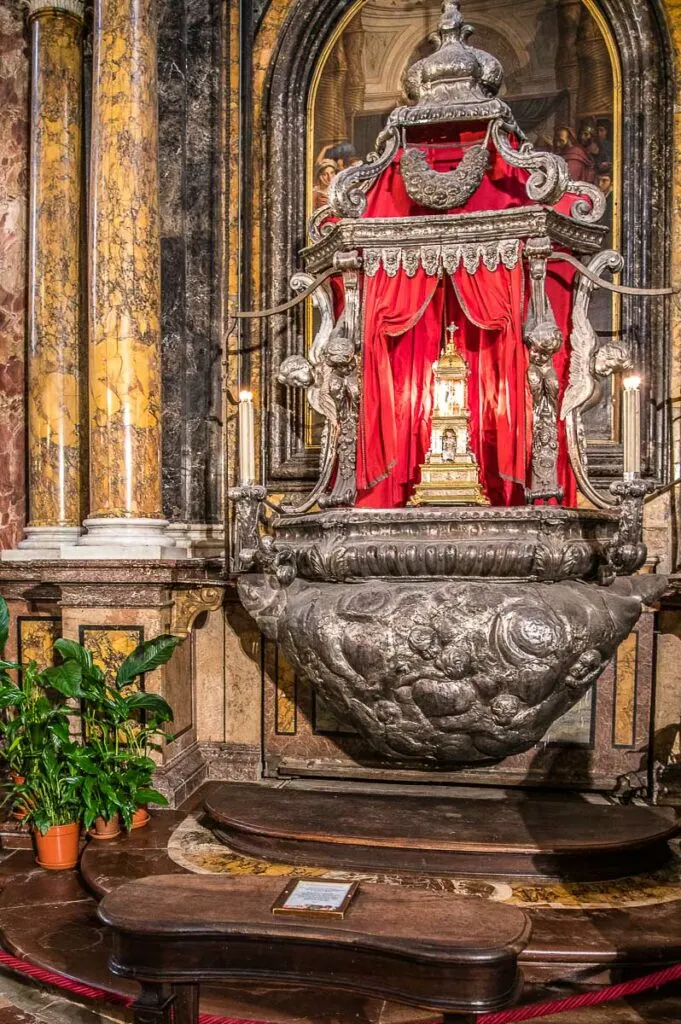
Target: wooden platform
(562,837)
(455,955)
(51,921)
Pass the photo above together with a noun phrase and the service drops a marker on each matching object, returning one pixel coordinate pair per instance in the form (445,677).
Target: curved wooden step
(563,837)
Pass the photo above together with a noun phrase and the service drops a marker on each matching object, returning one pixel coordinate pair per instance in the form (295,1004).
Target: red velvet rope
(609,994)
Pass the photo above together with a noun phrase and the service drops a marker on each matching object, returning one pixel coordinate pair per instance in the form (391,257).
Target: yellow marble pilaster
(125,272)
(55,217)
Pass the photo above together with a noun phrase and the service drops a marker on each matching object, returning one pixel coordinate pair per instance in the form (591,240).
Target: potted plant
(143,728)
(34,726)
(51,797)
(110,774)
(121,725)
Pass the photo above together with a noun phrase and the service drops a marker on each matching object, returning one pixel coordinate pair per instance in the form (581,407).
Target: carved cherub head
(612,358)
(544,340)
(340,352)
(297,372)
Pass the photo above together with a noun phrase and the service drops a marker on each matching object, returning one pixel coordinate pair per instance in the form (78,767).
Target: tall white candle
(246,438)
(631,425)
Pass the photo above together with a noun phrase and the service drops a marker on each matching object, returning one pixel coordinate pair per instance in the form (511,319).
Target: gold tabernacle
(450,474)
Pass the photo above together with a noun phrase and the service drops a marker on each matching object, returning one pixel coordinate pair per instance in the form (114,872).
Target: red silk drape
(397,373)
(492,344)
(403,331)
(397,380)
(559,282)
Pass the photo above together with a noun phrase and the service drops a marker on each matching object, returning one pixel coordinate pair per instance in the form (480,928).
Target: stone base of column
(199,540)
(125,539)
(42,543)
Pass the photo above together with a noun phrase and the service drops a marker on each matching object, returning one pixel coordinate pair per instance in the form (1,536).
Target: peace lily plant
(102,778)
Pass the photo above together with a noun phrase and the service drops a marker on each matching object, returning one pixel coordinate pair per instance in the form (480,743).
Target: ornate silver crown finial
(451,22)
(457,82)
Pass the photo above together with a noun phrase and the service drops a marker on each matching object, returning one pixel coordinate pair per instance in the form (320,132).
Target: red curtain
(397,380)
(403,328)
(492,344)
(559,283)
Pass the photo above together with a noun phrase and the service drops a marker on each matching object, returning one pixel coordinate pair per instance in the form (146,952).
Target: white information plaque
(326,899)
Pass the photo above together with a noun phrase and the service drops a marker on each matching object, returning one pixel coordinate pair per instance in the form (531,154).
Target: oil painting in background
(558,79)
(561,85)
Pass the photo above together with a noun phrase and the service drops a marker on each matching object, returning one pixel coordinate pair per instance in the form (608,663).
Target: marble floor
(22,1003)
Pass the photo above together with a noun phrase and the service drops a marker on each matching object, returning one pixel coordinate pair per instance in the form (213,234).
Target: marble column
(190,146)
(14,136)
(124,302)
(54,285)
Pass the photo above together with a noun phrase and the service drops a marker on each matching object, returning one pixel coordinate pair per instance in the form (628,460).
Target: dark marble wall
(14,89)
(189,137)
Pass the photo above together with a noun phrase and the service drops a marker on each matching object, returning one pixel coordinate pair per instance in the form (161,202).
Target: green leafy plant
(36,712)
(34,727)
(110,772)
(52,793)
(121,725)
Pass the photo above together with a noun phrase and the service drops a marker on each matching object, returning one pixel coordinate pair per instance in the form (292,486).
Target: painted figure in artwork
(325,172)
(575,153)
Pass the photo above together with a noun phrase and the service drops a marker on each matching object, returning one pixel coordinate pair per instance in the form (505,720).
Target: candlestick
(246,438)
(631,425)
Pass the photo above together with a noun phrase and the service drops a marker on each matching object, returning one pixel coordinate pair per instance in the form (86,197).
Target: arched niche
(638,32)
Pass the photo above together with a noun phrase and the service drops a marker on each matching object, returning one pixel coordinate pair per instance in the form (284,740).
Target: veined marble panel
(14,89)
(111,645)
(36,639)
(190,142)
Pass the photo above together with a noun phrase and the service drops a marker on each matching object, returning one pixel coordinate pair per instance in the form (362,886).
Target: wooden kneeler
(454,955)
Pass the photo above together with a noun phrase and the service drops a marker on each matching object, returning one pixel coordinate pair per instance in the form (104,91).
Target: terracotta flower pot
(106,829)
(58,848)
(19,813)
(140,818)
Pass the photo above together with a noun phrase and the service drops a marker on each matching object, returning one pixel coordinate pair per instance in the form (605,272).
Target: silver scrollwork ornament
(443,190)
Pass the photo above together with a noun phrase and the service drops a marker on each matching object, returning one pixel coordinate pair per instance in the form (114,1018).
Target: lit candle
(246,438)
(631,425)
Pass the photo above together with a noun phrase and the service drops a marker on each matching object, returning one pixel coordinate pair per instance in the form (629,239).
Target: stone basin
(525,543)
(449,635)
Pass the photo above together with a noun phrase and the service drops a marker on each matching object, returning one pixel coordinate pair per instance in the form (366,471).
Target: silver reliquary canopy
(451,633)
